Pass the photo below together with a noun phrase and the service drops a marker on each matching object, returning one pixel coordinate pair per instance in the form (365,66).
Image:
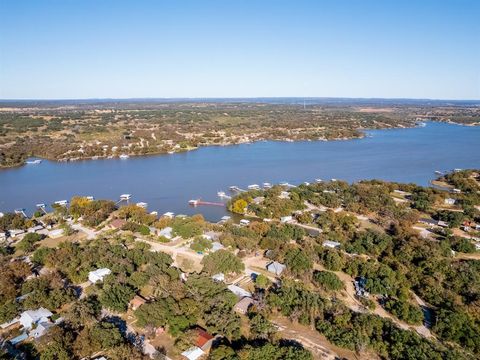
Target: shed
(237,290)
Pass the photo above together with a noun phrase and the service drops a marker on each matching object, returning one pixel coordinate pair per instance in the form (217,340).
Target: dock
(197,202)
(236,189)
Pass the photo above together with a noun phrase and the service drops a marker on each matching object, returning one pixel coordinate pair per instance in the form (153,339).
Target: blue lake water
(167,182)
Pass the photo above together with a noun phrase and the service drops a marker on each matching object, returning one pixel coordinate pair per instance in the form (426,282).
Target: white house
(31,317)
(98,275)
(331,244)
(166,232)
(276,268)
(193,353)
(285,219)
(450,201)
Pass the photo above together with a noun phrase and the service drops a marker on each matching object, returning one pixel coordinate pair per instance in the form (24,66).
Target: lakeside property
(398,261)
(167,183)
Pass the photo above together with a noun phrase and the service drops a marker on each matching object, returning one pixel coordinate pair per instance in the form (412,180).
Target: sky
(76,49)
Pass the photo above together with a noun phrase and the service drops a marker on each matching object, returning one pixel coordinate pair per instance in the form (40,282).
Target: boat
(33,162)
(124,156)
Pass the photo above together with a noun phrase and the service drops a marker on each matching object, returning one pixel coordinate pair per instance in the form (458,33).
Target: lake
(167,182)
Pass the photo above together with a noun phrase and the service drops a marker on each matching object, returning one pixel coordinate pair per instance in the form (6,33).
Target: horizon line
(234,98)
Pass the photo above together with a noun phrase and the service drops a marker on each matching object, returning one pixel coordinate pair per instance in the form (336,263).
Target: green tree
(116,297)
(27,244)
(328,280)
(298,261)
(222,261)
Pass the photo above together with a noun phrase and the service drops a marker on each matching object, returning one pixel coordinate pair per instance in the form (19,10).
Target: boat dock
(236,189)
(197,202)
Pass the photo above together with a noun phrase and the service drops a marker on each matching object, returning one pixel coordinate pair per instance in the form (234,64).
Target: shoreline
(363,134)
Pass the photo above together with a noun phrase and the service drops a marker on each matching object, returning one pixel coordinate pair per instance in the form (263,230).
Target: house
(30,318)
(456,191)
(211,235)
(193,353)
(136,302)
(237,290)
(429,222)
(285,219)
(216,246)
(258,200)
(16,233)
(244,222)
(117,224)
(98,275)
(276,268)
(41,329)
(331,244)
(34,229)
(284,195)
(204,339)
(166,233)
(442,223)
(243,305)
(55,234)
(220,277)
(449,201)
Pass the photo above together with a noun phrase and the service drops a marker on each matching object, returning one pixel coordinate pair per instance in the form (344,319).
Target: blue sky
(64,49)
